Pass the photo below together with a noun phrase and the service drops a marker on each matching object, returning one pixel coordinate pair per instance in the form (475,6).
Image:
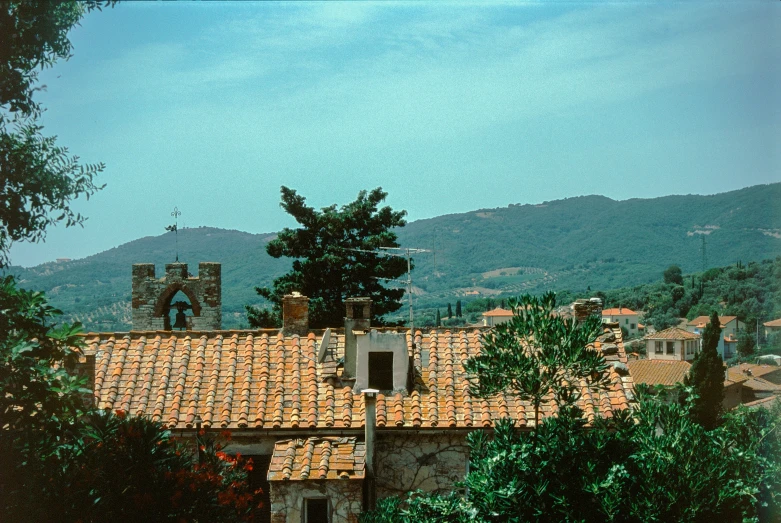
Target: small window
(381,370)
(626,321)
(316,511)
(632,326)
(659,346)
(670,347)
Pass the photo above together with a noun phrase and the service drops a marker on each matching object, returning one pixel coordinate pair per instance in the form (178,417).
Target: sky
(211,107)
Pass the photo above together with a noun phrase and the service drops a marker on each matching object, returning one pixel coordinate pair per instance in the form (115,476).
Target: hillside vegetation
(577,244)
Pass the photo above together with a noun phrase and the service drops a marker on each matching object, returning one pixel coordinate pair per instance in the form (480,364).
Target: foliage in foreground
(38,178)
(663,466)
(62,462)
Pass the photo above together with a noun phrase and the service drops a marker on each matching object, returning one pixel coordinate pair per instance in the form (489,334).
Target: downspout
(370,492)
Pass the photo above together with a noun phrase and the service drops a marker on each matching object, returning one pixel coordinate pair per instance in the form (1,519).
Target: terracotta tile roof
(702,321)
(760,371)
(735,376)
(317,458)
(761,385)
(498,312)
(618,311)
(765,403)
(773,323)
(673,333)
(262,380)
(658,372)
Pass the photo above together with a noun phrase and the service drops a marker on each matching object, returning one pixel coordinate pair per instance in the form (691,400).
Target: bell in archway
(181,320)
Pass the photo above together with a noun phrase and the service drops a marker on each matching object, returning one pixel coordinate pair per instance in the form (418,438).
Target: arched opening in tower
(179,312)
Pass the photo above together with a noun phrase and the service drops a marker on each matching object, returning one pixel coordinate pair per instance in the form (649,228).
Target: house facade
(625,317)
(730,325)
(333,419)
(496,316)
(772,326)
(672,344)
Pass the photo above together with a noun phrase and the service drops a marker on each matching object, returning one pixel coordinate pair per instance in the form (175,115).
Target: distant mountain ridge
(570,244)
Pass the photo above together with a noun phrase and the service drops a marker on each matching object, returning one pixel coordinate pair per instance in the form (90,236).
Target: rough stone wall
(151,296)
(344,499)
(295,314)
(409,461)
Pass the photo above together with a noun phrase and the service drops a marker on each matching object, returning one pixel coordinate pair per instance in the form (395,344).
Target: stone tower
(152,297)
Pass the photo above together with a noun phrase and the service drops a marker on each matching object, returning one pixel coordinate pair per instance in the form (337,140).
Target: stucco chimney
(358,317)
(370,401)
(295,314)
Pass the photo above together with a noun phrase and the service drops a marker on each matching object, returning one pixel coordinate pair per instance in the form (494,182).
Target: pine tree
(439,319)
(706,376)
(458,309)
(449,311)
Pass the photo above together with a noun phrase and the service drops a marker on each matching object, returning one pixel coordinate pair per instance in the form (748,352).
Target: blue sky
(450,107)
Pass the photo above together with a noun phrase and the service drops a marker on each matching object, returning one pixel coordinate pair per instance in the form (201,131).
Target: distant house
(772,326)
(730,325)
(672,344)
(665,374)
(626,318)
(496,316)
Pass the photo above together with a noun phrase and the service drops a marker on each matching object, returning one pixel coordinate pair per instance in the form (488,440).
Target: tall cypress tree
(439,319)
(706,376)
(458,309)
(449,311)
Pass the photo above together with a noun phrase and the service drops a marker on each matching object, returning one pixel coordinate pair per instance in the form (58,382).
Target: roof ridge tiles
(176,404)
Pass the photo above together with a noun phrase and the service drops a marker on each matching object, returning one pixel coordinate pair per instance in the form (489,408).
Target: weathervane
(175,229)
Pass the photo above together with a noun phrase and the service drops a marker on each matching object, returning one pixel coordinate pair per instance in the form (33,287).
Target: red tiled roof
(673,333)
(317,458)
(702,321)
(760,371)
(498,312)
(773,323)
(618,311)
(262,380)
(658,372)
(762,403)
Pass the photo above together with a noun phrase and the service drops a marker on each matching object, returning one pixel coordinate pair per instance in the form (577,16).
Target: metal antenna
(175,229)
(403,252)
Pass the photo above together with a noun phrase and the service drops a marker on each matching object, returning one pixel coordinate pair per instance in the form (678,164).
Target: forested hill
(572,244)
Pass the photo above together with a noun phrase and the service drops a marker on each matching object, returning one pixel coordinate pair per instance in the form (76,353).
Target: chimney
(84,367)
(295,314)
(358,318)
(370,401)
(584,308)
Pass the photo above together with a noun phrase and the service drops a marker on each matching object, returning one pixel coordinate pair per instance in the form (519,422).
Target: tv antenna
(400,252)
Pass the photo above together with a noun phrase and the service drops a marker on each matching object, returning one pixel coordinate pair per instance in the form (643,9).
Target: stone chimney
(583,308)
(84,367)
(295,314)
(358,318)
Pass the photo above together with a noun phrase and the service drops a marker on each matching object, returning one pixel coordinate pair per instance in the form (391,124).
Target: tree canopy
(38,178)
(706,376)
(336,256)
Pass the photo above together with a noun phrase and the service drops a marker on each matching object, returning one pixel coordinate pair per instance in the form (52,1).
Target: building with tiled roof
(730,325)
(667,374)
(625,317)
(658,372)
(496,316)
(672,344)
(772,326)
(296,401)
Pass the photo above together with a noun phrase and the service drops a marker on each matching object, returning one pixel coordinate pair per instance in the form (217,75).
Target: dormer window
(381,370)
(382,361)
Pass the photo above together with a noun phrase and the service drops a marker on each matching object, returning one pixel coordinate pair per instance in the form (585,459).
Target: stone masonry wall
(409,460)
(344,498)
(152,296)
